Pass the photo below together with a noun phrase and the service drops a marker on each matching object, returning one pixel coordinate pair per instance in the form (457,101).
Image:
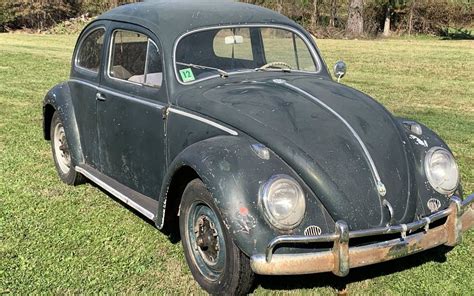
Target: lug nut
(200,242)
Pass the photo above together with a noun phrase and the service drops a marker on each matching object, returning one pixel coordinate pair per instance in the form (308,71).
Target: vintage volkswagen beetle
(223,119)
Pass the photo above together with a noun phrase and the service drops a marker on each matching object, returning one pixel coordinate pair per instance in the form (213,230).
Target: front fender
(234,174)
(59,99)
(420,145)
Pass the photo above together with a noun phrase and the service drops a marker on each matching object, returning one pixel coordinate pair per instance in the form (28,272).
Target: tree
(393,8)
(410,17)
(333,14)
(355,22)
(315,15)
(388,13)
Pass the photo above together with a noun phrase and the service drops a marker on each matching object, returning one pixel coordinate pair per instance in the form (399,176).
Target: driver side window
(135,58)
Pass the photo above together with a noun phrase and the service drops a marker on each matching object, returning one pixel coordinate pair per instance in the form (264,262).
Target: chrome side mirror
(340,69)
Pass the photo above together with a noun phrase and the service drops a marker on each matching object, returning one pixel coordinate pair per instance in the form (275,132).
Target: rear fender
(59,99)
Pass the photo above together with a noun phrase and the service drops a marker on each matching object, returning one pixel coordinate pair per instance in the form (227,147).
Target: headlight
(441,170)
(283,202)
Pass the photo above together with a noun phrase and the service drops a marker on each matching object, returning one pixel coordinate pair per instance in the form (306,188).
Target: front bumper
(341,258)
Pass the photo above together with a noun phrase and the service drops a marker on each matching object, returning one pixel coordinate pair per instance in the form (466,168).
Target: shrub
(42,14)
(418,16)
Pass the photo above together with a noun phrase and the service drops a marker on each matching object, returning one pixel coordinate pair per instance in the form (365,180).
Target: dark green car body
(355,161)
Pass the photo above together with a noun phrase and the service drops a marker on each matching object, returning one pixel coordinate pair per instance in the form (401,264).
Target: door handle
(100,97)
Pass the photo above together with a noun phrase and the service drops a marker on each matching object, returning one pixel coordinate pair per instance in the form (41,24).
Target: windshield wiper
(275,67)
(221,72)
(273,70)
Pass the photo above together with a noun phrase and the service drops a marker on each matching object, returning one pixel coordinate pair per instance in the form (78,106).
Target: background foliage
(325,18)
(42,14)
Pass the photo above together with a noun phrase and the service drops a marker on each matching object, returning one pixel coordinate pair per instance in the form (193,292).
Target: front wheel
(61,153)
(215,261)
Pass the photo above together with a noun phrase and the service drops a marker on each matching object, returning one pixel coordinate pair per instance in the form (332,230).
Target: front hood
(319,140)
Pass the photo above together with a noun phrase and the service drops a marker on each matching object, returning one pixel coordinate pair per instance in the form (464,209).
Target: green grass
(57,239)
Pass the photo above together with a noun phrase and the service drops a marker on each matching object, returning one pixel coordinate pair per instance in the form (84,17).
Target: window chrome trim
(79,46)
(312,49)
(124,96)
(204,120)
(146,64)
(115,193)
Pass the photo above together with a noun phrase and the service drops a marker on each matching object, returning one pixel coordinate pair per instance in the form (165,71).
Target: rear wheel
(61,153)
(215,261)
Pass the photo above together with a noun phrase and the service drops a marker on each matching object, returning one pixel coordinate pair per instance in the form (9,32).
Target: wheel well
(48,112)
(180,180)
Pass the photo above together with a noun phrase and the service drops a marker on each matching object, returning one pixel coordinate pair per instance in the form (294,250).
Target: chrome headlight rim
(429,172)
(264,193)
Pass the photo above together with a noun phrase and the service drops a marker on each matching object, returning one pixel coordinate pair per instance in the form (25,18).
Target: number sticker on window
(187,75)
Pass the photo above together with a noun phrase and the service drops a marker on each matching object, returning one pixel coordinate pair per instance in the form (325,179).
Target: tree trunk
(315,15)
(355,22)
(332,19)
(279,7)
(386,27)
(410,19)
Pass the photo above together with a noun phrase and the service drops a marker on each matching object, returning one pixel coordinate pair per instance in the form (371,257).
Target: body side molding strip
(204,120)
(124,96)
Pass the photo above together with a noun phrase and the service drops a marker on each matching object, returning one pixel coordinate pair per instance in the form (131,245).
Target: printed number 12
(187,75)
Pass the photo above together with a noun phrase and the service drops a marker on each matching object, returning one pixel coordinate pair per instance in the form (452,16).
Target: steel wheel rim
(61,149)
(205,239)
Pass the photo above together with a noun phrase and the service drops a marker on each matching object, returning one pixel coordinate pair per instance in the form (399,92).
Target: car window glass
(135,58)
(90,51)
(218,52)
(286,46)
(233,43)
(154,69)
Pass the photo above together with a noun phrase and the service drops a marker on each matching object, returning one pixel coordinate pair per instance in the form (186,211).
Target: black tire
(231,274)
(61,155)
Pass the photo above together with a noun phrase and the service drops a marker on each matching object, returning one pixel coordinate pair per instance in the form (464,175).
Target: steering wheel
(276,64)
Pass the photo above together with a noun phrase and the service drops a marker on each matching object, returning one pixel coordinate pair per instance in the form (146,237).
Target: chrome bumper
(339,260)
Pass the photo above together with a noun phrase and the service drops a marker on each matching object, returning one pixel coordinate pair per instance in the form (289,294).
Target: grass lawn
(57,239)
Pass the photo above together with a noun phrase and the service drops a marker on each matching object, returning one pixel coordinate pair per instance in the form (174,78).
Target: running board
(143,204)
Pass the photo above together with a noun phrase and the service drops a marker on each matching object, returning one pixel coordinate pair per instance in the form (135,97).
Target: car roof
(170,19)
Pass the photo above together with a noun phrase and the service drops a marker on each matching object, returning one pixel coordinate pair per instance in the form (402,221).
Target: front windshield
(218,52)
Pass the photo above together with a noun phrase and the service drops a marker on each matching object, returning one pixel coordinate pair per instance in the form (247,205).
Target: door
(130,104)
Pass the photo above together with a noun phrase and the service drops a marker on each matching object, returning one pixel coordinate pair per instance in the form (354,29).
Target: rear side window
(90,51)
(135,58)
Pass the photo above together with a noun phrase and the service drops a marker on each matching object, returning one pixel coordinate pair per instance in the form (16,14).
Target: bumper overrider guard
(339,260)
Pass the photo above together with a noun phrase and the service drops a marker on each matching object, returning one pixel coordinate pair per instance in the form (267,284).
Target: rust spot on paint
(244,211)
(244,221)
